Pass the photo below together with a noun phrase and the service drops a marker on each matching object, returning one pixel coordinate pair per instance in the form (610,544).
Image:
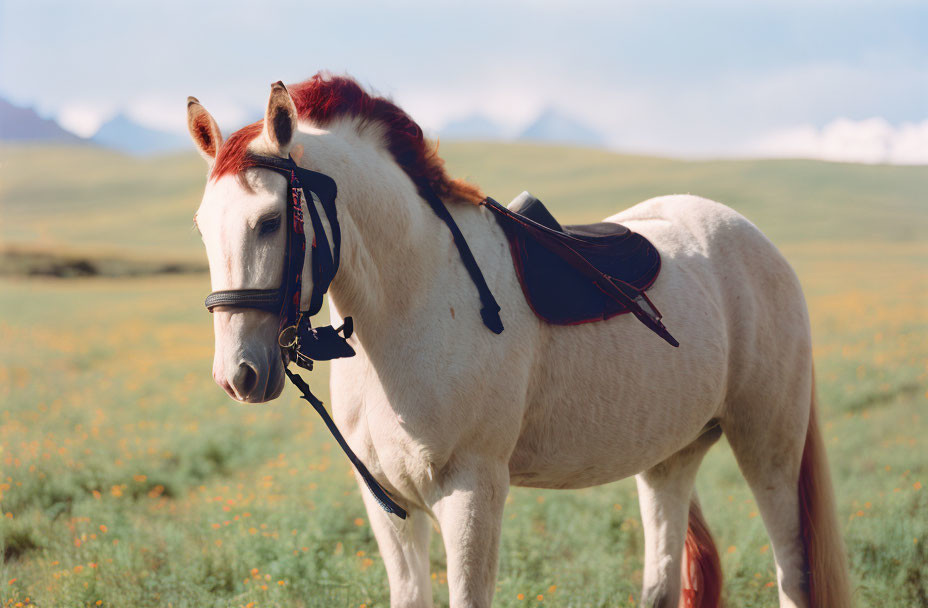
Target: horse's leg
(404,546)
(470,513)
(767,437)
(664,493)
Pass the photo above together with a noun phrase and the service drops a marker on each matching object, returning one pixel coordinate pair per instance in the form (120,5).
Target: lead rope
(380,494)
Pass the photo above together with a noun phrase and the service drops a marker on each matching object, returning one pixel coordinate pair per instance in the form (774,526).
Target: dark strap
(325,255)
(323,264)
(631,297)
(380,495)
(268,300)
(490,309)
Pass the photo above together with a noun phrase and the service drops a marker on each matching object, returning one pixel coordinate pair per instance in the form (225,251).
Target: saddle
(580,273)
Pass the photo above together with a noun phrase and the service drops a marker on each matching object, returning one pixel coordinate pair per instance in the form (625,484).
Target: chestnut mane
(325,98)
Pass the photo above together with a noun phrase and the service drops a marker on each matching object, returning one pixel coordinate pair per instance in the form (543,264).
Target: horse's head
(381,162)
(243,225)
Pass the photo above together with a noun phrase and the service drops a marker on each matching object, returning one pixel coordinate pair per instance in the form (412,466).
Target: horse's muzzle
(251,382)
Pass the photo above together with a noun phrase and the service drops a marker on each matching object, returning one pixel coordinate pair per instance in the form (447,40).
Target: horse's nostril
(246,378)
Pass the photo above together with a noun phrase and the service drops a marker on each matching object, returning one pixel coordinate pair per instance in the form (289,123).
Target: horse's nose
(245,380)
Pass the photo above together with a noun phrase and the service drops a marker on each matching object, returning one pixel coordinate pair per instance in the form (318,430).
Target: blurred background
(127,478)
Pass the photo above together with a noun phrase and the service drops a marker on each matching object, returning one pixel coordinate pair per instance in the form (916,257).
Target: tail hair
(702,569)
(826,564)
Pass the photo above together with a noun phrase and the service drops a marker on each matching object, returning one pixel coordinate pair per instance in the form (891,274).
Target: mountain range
(557,127)
(25,125)
(123,134)
(550,126)
(475,127)
(22,124)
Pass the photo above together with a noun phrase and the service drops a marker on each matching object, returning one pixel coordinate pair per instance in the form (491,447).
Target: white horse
(447,415)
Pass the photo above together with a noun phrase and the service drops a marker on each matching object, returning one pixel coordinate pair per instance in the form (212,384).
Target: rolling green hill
(92,199)
(87,199)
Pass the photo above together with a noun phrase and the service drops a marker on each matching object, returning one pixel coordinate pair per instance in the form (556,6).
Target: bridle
(298,339)
(296,336)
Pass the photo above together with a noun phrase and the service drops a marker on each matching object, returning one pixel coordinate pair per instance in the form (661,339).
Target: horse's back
(688,225)
(738,269)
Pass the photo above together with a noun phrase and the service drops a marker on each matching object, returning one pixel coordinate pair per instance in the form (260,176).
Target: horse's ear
(280,119)
(203,130)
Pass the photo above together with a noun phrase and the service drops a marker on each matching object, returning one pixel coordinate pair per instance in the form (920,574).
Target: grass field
(127,478)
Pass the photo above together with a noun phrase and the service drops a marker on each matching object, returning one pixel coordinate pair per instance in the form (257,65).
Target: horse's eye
(269,226)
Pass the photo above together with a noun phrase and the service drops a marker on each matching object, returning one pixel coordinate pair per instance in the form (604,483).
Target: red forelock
(231,159)
(324,98)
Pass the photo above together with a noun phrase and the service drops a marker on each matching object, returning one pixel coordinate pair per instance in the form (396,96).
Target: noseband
(298,340)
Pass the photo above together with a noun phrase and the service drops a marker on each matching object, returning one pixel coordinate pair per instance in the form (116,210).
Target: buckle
(289,335)
(302,360)
(645,304)
(306,344)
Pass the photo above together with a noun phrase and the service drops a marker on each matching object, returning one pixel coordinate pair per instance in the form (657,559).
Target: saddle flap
(555,290)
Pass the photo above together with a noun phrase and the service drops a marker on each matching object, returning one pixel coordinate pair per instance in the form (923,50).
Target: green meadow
(129,479)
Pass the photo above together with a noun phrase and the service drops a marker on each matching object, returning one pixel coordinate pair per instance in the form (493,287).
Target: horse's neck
(388,260)
(394,249)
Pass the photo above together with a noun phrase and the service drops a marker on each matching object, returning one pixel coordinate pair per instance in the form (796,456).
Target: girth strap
(490,309)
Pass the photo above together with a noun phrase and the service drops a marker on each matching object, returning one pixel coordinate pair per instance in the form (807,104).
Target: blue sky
(680,78)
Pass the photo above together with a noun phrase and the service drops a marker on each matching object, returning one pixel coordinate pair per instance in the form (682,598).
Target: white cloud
(83,119)
(872,141)
(910,145)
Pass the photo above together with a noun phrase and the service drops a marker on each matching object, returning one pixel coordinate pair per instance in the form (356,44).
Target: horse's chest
(398,461)
(387,443)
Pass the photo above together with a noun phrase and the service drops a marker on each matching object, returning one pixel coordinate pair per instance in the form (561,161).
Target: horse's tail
(821,536)
(702,570)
